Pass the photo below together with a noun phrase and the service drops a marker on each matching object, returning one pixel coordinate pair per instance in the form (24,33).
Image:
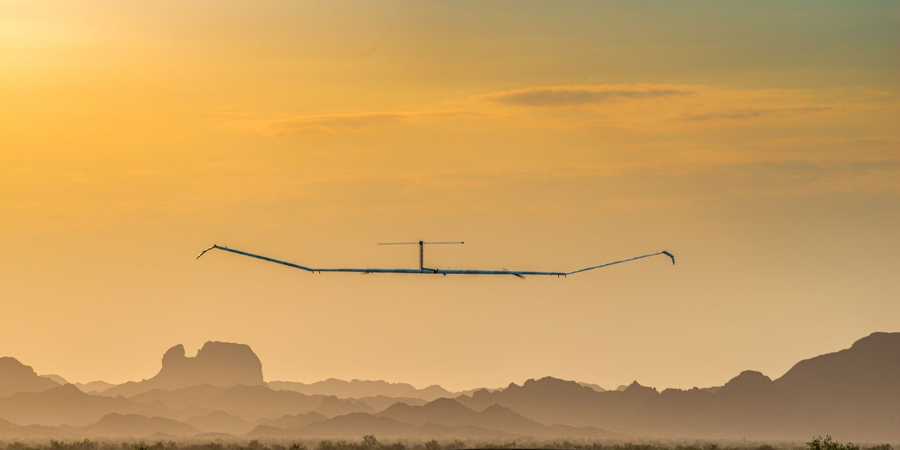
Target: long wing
(518,273)
(308,269)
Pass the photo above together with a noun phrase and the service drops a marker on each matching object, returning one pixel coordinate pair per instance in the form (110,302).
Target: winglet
(669,255)
(204,251)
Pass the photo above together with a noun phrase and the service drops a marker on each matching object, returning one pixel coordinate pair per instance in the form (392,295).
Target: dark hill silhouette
(853,393)
(247,402)
(62,405)
(294,421)
(56,378)
(362,388)
(219,422)
(469,392)
(593,386)
(250,403)
(496,417)
(134,425)
(552,401)
(380,403)
(748,382)
(332,406)
(666,414)
(873,361)
(435,431)
(16,377)
(442,411)
(9,430)
(160,409)
(450,413)
(269,431)
(94,386)
(351,426)
(220,364)
(211,436)
(354,425)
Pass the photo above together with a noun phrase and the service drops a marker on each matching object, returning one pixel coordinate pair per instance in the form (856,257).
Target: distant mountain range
(361,388)
(853,394)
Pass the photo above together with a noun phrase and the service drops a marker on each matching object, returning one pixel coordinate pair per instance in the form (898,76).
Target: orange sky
(757,142)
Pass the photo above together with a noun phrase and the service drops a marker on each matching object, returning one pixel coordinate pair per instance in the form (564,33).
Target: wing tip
(669,255)
(204,251)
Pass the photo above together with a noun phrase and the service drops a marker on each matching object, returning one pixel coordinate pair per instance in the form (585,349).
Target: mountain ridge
(362,388)
(853,392)
(16,377)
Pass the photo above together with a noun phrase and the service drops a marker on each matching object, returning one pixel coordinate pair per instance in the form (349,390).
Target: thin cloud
(341,123)
(336,123)
(554,96)
(743,114)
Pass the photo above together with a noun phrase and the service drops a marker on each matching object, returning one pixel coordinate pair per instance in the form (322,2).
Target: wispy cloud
(554,96)
(748,113)
(338,123)
(609,109)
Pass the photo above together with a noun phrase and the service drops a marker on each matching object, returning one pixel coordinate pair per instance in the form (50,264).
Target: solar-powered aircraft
(425,270)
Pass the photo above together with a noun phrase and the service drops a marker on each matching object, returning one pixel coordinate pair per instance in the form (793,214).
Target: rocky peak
(870,361)
(217,363)
(221,364)
(16,377)
(635,389)
(749,381)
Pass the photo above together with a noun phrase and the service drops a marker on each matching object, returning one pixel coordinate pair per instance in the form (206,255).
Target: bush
(818,443)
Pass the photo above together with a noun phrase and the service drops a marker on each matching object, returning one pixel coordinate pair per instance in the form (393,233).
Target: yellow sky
(757,142)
